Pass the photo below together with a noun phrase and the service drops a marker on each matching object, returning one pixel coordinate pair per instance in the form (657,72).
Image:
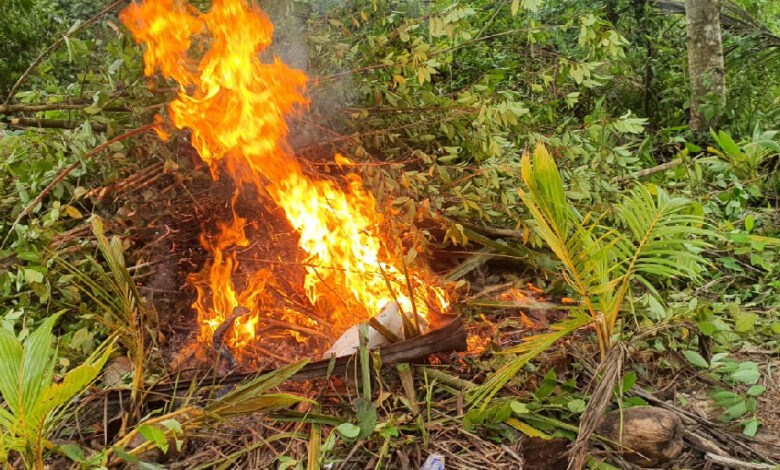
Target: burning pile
(235,106)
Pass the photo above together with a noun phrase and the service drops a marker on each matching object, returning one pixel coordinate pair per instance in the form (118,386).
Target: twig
(499,232)
(513,454)
(54,124)
(218,340)
(490,289)
(703,444)
(71,105)
(55,45)
(518,252)
(130,181)
(734,463)
(649,171)
(68,170)
(301,329)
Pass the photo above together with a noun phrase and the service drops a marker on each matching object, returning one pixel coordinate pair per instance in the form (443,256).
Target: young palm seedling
(651,236)
(33,405)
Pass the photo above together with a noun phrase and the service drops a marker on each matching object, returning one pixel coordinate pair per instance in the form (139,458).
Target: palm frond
(586,257)
(34,403)
(529,349)
(664,239)
(124,310)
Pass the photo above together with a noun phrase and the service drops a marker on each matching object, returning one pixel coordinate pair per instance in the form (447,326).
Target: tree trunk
(705,63)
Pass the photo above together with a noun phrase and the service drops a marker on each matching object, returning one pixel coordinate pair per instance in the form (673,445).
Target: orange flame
(235,106)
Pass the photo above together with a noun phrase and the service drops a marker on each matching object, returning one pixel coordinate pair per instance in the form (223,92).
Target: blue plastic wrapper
(433,462)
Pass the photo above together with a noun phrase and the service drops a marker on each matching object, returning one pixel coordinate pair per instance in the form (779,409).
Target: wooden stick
(734,463)
(65,105)
(68,170)
(649,171)
(54,124)
(703,444)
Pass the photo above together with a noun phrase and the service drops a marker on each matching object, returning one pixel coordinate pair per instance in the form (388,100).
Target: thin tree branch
(53,124)
(54,46)
(649,171)
(68,170)
(40,107)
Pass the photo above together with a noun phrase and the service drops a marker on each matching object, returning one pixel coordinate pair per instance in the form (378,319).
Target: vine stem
(68,170)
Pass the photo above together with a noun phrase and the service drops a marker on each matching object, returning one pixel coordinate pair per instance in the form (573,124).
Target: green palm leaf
(529,349)
(654,235)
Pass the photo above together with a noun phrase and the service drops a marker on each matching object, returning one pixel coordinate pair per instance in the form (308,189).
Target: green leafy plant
(654,236)
(33,403)
(746,158)
(733,372)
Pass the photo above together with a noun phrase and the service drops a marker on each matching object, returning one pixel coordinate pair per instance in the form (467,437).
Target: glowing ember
(235,106)
(477,344)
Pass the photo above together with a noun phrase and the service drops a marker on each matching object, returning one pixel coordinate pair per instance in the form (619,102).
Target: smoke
(294,22)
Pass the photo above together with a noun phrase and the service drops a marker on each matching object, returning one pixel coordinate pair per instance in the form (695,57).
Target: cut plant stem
(365,368)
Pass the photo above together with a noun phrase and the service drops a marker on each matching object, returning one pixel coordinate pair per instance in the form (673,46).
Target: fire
(235,107)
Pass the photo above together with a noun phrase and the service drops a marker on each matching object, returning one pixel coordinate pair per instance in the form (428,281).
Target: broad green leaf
(518,407)
(745,322)
(746,376)
(33,276)
(696,359)
(733,412)
(751,427)
(548,386)
(348,430)
(11,352)
(366,417)
(576,406)
(173,425)
(73,452)
(725,398)
(629,379)
(154,434)
(38,363)
(749,223)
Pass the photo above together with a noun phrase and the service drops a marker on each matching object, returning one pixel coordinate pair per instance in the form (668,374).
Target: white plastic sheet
(349,342)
